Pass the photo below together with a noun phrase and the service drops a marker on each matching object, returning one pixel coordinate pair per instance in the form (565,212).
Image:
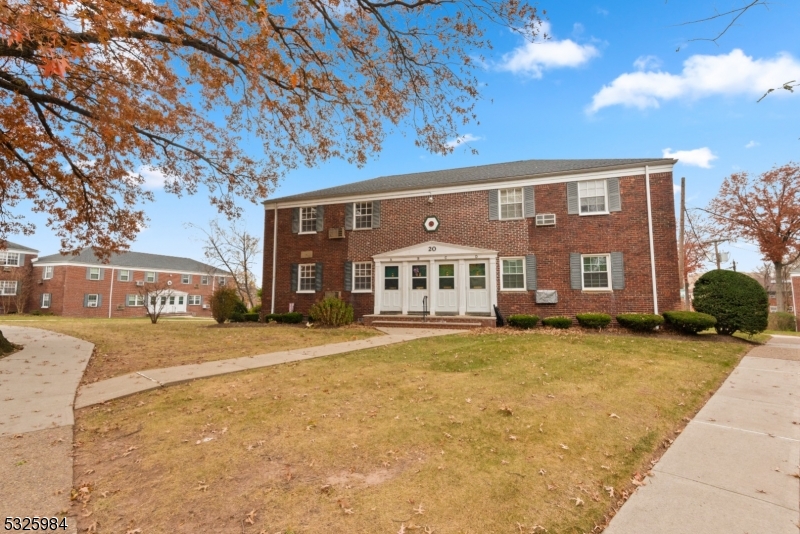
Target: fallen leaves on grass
(202,486)
(251,517)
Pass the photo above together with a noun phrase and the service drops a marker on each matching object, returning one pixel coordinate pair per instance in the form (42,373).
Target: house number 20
(431,249)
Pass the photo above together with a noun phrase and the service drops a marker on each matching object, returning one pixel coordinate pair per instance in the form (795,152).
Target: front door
(392,298)
(478,289)
(446,290)
(418,288)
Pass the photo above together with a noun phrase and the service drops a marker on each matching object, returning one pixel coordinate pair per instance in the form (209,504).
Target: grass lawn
(126,345)
(470,433)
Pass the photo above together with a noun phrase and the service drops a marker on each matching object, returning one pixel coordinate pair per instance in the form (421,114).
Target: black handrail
(424,307)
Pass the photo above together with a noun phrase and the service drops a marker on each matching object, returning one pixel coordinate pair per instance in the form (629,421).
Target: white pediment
(435,249)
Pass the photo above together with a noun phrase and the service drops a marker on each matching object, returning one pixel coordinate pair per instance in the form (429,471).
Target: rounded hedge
(557,322)
(735,300)
(593,320)
(639,322)
(331,312)
(689,322)
(523,321)
(225,302)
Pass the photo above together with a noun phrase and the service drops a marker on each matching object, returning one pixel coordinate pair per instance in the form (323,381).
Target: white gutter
(274,257)
(650,232)
(111,293)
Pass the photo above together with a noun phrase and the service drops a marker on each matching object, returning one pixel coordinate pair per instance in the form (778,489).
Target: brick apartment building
(82,286)
(547,237)
(16,261)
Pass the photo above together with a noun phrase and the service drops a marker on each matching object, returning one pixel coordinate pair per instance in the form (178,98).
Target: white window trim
(300,220)
(606,212)
(147,277)
(129,277)
(136,298)
(4,257)
(371,276)
(47,268)
(190,300)
(49,300)
(184,276)
(371,216)
(89,300)
(524,274)
(91,273)
(204,280)
(299,271)
(500,205)
(608,267)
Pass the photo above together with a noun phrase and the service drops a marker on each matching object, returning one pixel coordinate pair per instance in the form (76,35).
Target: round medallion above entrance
(431,223)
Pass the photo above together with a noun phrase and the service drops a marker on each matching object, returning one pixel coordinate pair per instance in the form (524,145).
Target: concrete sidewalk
(734,469)
(122,386)
(37,391)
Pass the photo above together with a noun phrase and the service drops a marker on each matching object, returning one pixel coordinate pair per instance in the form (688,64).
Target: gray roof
(8,245)
(139,260)
(472,175)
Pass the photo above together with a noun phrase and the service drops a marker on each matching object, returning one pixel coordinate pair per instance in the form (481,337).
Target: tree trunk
(6,347)
(779,285)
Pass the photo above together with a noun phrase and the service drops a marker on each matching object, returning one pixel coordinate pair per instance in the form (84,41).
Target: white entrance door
(446,288)
(172,302)
(418,288)
(392,299)
(478,288)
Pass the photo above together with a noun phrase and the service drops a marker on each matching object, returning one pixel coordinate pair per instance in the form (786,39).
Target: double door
(445,287)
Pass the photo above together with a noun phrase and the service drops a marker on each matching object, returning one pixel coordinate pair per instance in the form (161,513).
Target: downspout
(794,302)
(274,258)
(650,232)
(111,292)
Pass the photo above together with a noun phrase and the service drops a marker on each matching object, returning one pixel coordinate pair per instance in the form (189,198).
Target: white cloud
(647,63)
(532,58)
(699,157)
(601,11)
(676,188)
(752,144)
(462,140)
(702,76)
(150,178)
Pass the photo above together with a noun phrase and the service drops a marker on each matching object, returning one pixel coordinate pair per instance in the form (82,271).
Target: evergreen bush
(523,321)
(224,302)
(331,312)
(593,320)
(735,300)
(639,322)
(557,322)
(688,322)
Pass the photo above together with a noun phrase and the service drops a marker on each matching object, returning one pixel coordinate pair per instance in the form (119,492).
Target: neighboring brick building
(548,237)
(82,286)
(16,263)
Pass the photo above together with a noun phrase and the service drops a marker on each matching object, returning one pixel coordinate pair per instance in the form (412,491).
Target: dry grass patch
(126,345)
(458,434)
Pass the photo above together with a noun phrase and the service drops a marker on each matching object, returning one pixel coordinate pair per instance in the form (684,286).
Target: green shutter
(348,276)
(294,278)
(318,277)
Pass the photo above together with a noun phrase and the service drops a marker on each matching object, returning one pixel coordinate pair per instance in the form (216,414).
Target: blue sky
(609,83)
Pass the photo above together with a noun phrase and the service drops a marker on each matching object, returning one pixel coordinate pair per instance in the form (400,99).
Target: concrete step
(437,321)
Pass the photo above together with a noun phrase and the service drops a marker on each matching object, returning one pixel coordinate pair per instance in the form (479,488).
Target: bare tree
(154,297)
(233,250)
(18,300)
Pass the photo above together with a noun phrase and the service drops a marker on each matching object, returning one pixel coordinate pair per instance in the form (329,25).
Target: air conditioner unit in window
(545,219)
(205,306)
(336,233)
(6,268)
(139,283)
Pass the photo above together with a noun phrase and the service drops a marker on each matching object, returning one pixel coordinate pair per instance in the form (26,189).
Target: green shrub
(250,317)
(780,321)
(523,321)
(241,307)
(689,322)
(237,317)
(256,309)
(639,322)
(224,302)
(288,318)
(331,312)
(557,322)
(35,312)
(735,300)
(593,320)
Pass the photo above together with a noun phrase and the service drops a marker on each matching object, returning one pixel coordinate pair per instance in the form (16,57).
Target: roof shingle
(140,260)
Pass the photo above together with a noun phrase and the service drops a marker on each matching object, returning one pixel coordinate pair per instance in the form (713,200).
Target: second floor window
(362,215)
(308,220)
(511,203)
(592,196)
(150,276)
(9,258)
(124,276)
(186,279)
(47,274)
(94,273)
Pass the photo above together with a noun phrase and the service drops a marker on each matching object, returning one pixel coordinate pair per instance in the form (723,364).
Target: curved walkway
(122,386)
(37,392)
(734,469)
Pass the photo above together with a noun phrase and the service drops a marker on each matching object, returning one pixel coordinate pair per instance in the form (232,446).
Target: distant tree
(154,296)
(224,303)
(24,277)
(763,210)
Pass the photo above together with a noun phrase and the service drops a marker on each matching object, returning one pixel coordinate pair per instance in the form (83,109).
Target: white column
(463,287)
(377,290)
(492,284)
(433,283)
(404,285)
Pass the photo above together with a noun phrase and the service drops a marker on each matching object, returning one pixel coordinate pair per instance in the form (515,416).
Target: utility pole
(716,253)
(682,248)
(734,265)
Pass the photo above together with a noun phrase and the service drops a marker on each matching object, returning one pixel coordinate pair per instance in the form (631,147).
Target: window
(150,276)
(222,280)
(362,215)
(180,300)
(477,276)
(419,277)
(10,258)
(204,279)
(135,300)
(511,203)
(47,274)
(8,287)
(391,277)
(595,272)
(592,196)
(94,273)
(308,220)
(92,301)
(447,276)
(362,277)
(186,279)
(194,300)
(46,298)
(513,274)
(124,276)
(307,278)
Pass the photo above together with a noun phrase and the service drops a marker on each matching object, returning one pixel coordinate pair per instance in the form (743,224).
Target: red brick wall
(13,274)
(464,221)
(69,285)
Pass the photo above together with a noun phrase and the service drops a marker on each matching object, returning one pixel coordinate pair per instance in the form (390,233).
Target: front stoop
(460,322)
